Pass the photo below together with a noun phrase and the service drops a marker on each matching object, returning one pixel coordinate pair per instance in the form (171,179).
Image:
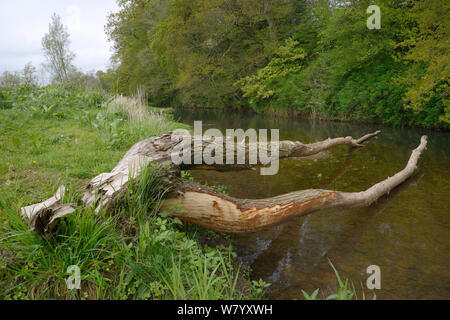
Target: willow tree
(55,45)
(205,206)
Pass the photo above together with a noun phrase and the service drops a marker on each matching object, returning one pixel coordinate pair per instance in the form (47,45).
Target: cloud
(73,22)
(24,23)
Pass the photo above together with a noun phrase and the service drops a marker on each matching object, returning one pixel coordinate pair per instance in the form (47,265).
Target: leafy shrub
(262,88)
(56,101)
(5,101)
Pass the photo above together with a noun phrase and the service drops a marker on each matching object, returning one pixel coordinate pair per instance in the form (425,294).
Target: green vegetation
(317,58)
(55,45)
(51,136)
(343,291)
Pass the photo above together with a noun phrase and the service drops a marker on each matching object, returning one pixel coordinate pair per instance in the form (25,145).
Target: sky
(23,23)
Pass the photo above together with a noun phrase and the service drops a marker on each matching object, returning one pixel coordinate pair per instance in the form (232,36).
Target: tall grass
(135,109)
(168,256)
(126,120)
(343,291)
(131,254)
(51,136)
(36,268)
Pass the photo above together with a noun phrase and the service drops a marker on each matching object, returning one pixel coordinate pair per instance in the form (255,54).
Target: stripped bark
(44,216)
(205,206)
(209,209)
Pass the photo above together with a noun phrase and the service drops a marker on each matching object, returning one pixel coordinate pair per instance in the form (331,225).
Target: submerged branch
(205,206)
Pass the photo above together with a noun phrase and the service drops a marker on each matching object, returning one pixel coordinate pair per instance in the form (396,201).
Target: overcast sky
(23,23)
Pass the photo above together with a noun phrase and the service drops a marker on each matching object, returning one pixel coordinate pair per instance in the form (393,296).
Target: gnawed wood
(106,188)
(204,205)
(208,208)
(43,217)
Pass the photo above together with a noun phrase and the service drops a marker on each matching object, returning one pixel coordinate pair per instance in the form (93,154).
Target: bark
(205,206)
(269,20)
(44,216)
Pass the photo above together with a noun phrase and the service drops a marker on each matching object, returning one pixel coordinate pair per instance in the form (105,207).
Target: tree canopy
(317,57)
(55,45)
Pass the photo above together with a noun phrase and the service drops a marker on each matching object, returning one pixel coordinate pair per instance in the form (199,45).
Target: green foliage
(368,93)
(54,131)
(219,187)
(38,268)
(11,80)
(137,252)
(426,48)
(353,74)
(343,291)
(186,175)
(112,131)
(286,60)
(5,101)
(259,288)
(132,254)
(55,101)
(55,45)
(192,52)
(317,57)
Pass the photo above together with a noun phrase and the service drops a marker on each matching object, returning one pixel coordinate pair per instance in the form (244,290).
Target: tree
(314,57)
(205,206)
(351,72)
(10,79)
(262,86)
(135,66)
(29,75)
(427,48)
(193,51)
(55,45)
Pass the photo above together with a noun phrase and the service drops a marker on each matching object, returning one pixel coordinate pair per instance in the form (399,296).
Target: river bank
(52,136)
(60,137)
(405,233)
(292,114)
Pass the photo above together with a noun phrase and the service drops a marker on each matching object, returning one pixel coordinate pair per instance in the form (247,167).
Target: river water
(405,233)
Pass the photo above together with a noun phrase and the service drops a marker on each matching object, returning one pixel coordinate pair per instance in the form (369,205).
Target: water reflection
(405,232)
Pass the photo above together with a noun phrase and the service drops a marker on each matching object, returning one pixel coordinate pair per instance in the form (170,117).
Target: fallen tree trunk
(207,207)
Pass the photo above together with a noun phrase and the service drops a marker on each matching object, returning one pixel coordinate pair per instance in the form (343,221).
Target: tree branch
(205,206)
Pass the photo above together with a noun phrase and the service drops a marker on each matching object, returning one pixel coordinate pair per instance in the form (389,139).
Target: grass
(78,139)
(51,136)
(36,268)
(343,291)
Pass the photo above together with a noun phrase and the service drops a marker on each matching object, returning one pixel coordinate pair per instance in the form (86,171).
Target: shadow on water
(318,272)
(405,232)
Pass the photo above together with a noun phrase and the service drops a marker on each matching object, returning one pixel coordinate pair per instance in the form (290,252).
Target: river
(405,233)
